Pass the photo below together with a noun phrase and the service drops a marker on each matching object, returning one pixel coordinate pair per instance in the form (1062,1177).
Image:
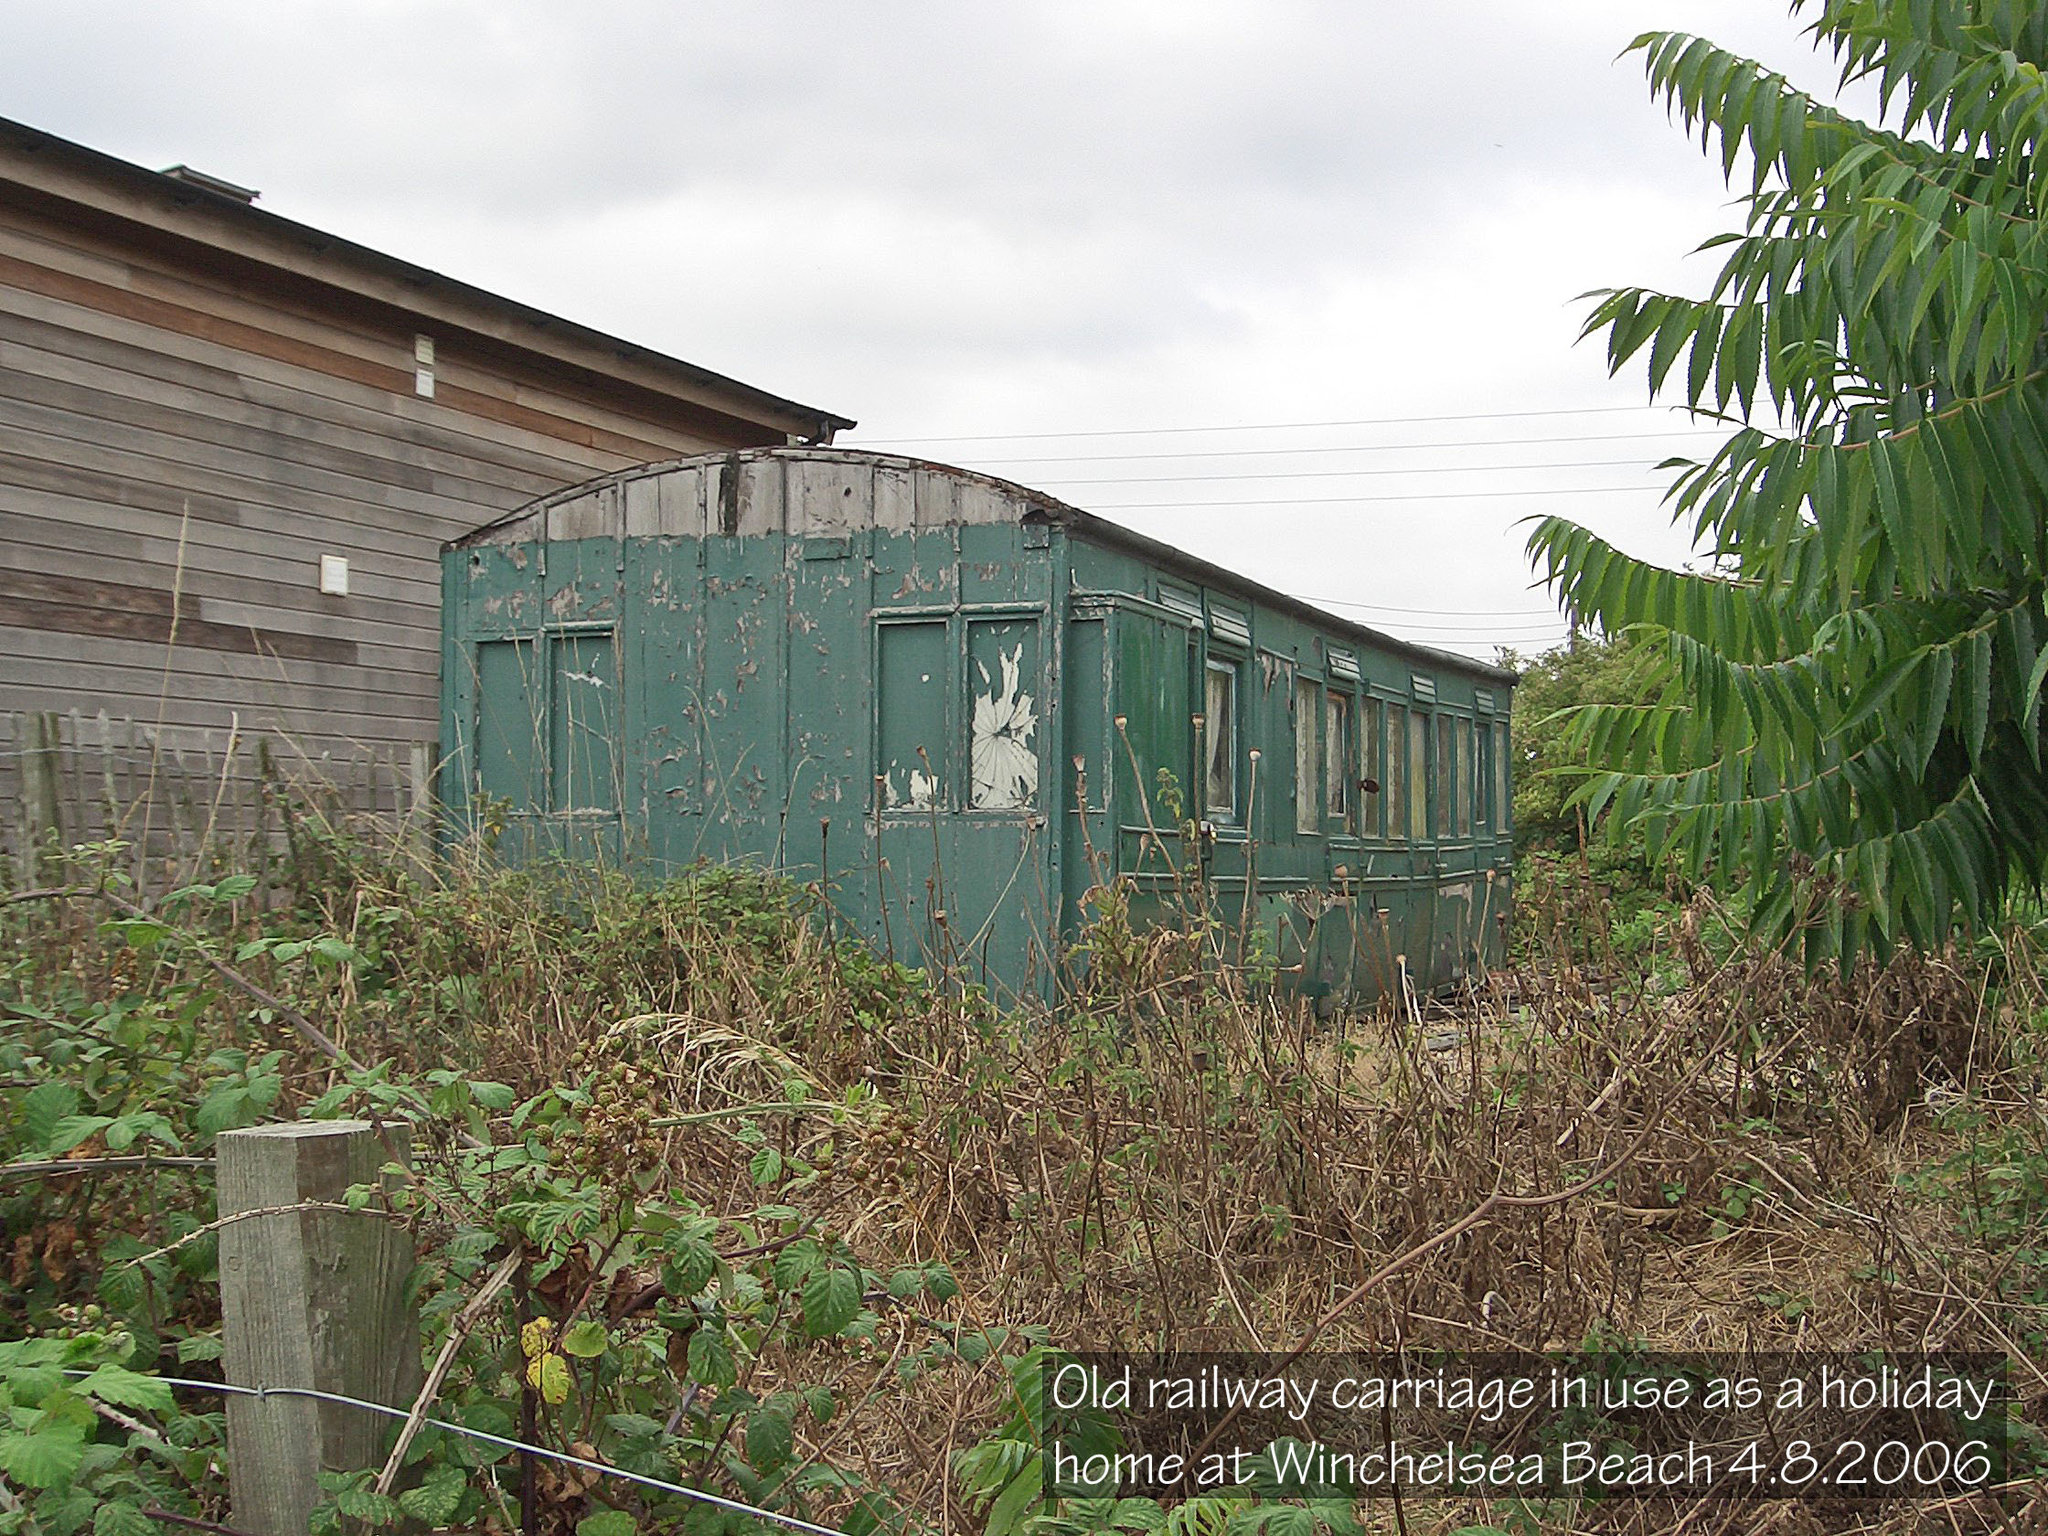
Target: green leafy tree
(1849,720)
(1553,687)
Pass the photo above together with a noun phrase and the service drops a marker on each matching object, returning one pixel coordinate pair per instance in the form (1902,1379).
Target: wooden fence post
(309,1298)
(420,812)
(40,796)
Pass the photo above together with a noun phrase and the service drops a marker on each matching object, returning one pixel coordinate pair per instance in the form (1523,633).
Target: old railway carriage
(957,704)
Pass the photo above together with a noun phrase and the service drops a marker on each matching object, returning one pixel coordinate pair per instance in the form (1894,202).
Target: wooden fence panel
(185,801)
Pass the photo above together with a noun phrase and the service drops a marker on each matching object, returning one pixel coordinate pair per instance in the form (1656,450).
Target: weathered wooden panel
(239,443)
(292,556)
(163,426)
(90,348)
(65,549)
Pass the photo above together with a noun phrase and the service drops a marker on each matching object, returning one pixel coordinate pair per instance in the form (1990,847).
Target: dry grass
(1182,1161)
(1215,1171)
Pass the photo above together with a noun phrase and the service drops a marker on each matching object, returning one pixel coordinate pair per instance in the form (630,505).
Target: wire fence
(504,1442)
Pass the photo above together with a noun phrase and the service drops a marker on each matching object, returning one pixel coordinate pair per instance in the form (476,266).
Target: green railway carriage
(950,700)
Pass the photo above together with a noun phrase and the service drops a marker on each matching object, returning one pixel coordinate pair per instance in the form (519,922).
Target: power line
(1244,453)
(1264,426)
(1318,501)
(1436,613)
(1473,629)
(1468,629)
(1335,474)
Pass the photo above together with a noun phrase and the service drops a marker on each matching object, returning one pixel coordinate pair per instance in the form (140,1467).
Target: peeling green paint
(897,680)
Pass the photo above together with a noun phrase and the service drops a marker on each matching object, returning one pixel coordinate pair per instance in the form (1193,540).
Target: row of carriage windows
(1366,767)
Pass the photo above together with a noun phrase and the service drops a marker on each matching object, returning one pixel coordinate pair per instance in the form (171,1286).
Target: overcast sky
(974,226)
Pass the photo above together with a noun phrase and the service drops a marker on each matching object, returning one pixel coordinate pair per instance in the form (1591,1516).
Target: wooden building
(231,447)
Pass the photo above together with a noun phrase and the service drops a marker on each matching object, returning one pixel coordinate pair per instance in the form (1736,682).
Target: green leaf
(129,1389)
(438,1496)
(692,1264)
(710,1360)
(769,1440)
(49,1105)
(46,1457)
(367,1505)
(609,1522)
(831,1300)
(586,1340)
(74,1131)
(495,1097)
(550,1373)
(199,1346)
(118,1517)
(1015,1505)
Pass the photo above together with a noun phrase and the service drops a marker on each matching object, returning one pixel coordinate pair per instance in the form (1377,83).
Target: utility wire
(1438,613)
(1319,501)
(1265,426)
(1245,453)
(1405,627)
(1338,474)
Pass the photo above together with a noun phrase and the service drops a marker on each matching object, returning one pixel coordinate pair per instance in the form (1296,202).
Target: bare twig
(500,1278)
(1478,1216)
(234,978)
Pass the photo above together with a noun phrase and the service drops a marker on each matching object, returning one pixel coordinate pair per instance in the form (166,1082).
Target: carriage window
(510,752)
(1002,714)
(1307,814)
(1482,774)
(1372,806)
(1220,775)
(1502,787)
(1418,776)
(1467,790)
(910,716)
(1397,772)
(1446,779)
(1338,759)
(583,723)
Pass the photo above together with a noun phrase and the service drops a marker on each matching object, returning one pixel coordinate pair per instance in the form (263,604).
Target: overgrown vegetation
(752,1212)
(1849,723)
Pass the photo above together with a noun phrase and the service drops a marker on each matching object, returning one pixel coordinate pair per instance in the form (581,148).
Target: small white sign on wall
(334,575)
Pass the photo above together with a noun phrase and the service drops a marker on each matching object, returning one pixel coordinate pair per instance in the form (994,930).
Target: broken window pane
(1003,703)
(584,723)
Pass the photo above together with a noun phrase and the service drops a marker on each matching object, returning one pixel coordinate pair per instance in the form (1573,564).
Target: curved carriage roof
(905,493)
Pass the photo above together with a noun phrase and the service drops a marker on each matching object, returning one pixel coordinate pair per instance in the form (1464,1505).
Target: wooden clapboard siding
(210,594)
(93,340)
(29,352)
(197,402)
